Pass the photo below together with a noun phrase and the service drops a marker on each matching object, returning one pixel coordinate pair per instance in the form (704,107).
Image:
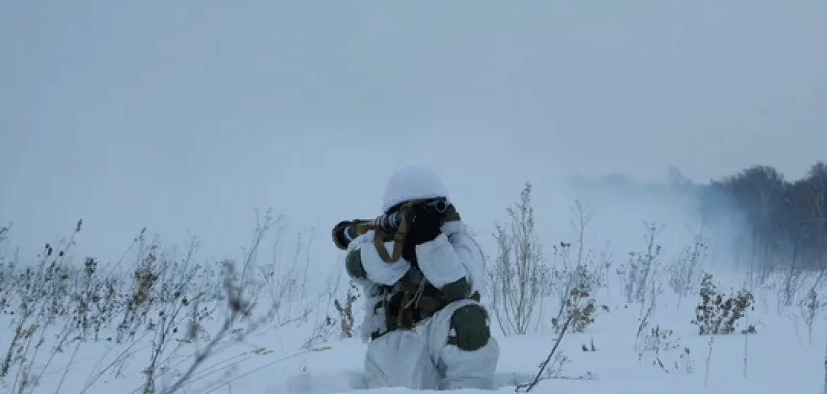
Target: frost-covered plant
(519,278)
(810,307)
(718,314)
(580,304)
(683,274)
(345,310)
(636,273)
(659,344)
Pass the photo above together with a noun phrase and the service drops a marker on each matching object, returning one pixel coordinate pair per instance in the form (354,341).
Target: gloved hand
(425,225)
(341,237)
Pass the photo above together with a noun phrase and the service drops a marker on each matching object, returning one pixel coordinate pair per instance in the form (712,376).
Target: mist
(620,213)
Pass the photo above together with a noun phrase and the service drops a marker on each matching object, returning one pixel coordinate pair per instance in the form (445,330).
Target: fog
(620,213)
(184,119)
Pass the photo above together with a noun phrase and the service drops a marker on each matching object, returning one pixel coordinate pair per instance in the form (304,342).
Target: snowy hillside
(160,318)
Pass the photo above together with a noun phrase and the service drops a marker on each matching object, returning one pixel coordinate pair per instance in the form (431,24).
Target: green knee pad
(353,264)
(470,323)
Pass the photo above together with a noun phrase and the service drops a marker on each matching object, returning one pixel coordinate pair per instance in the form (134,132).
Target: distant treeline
(787,219)
(779,222)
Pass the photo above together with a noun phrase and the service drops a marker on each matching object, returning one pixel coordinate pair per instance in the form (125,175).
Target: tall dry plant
(519,277)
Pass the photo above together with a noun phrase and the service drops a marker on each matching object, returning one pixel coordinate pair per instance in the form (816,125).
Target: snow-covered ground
(278,356)
(271,361)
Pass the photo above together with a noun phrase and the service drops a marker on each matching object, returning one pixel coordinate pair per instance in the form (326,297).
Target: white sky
(185,116)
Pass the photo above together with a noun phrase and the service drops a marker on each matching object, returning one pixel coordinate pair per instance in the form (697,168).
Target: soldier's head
(413,183)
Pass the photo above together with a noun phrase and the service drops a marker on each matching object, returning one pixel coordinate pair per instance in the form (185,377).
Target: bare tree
(708,360)
(640,268)
(684,271)
(526,387)
(241,295)
(794,275)
(519,277)
(581,218)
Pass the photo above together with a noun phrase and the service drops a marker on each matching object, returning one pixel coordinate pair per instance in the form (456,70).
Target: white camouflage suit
(423,358)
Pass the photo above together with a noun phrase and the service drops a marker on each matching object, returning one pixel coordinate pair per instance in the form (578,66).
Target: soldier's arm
(364,262)
(452,261)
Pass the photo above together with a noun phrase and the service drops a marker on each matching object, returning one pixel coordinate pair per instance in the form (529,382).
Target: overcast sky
(185,116)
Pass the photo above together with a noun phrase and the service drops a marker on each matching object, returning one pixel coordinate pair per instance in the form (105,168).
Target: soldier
(424,323)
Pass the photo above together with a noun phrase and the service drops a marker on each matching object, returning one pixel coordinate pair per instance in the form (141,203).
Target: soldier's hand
(425,225)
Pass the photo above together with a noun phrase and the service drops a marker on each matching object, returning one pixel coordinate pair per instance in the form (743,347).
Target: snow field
(272,360)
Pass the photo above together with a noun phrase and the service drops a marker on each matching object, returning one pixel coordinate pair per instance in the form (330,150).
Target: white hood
(411,183)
